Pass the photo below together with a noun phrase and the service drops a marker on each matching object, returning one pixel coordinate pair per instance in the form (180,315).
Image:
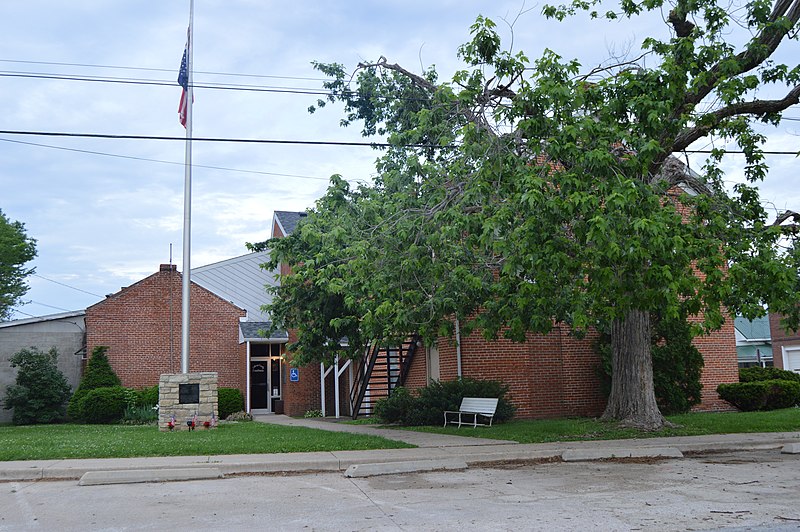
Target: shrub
(147,397)
(746,396)
(767,374)
(782,394)
(41,390)
(229,400)
(761,395)
(312,414)
(98,374)
(428,406)
(397,408)
(103,405)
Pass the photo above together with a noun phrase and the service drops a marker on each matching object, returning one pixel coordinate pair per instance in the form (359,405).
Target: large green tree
(522,194)
(16,249)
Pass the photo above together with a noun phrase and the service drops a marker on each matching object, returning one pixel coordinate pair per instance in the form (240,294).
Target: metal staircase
(379,372)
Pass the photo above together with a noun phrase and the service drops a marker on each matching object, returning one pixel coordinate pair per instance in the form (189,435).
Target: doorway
(266,377)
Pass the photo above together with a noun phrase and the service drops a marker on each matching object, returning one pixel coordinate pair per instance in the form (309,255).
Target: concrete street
(742,490)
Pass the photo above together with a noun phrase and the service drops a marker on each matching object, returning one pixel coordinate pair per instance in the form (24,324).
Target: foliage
(526,193)
(767,374)
(430,402)
(761,395)
(229,400)
(782,394)
(103,405)
(397,408)
(677,365)
(746,396)
(16,249)
(147,397)
(139,415)
(312,414)
(98,374)
(40,392)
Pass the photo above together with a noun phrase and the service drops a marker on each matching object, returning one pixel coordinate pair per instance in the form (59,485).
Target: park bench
(480,408)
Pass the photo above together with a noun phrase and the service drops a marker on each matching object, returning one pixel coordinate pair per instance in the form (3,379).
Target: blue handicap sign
(294,374)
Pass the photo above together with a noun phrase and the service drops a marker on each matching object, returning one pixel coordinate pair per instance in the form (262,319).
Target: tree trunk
(632,401)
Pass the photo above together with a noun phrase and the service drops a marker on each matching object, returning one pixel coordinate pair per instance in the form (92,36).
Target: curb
(132,476)
(392,468)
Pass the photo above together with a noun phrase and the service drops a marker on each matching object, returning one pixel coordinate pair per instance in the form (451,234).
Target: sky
(106,212)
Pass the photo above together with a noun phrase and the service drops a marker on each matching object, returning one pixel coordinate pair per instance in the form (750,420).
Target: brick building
(141,326)
(785,345)
(549,375)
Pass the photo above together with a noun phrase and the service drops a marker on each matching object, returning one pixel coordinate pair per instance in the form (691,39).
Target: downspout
(458,349)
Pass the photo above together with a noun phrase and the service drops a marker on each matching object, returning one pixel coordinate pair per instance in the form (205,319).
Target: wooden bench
(482,408)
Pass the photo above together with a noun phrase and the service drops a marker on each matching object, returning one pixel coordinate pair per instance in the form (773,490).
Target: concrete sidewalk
(431,448)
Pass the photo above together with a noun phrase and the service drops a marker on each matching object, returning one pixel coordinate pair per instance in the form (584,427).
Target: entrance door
(259,384)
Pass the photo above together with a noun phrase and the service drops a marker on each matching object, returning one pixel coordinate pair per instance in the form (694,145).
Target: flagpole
(187,204)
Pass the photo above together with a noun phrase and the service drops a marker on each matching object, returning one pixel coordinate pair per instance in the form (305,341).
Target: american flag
(183,81)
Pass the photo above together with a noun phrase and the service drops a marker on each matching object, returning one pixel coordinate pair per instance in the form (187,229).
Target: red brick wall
(555,375)
(781,338)
(719,365)
(549,375)
(304,395)
(135,324)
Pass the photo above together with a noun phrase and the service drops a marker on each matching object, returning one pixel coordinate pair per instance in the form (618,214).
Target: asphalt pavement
(432,452)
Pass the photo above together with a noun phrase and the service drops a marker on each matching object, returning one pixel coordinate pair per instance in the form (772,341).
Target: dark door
(259,389)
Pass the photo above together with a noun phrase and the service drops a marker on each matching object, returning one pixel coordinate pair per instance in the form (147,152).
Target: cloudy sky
(106,211)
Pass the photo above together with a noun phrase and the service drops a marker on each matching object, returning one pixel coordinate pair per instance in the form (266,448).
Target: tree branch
(758,50)
(756,107)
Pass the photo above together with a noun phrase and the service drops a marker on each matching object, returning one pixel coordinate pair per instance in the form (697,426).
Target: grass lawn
(574,429)
(44,442)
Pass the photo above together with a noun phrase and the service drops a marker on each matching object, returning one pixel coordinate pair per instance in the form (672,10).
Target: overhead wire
(146,159)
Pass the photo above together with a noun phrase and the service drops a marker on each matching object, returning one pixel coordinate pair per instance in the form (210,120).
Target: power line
(215,139)
(49,306)
(64,284)
(144,69)
(134,158)
(291,142)
(159,83)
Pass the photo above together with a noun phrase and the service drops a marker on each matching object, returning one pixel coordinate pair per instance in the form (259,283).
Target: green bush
(782,394)
(746,396)
(767,374)
(103,405)
(147,397)
(397,408)
(428,407)
(229,400)
(98,374)
(41,390)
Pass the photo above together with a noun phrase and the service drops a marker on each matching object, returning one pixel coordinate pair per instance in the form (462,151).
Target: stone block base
(172,411)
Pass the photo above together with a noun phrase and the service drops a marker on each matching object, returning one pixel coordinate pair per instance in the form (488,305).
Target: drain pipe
(458,349)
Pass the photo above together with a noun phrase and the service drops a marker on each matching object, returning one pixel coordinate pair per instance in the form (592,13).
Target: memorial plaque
(188,394)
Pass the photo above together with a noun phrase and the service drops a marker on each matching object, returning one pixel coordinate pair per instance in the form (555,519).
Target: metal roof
(39,319)
(240,280)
